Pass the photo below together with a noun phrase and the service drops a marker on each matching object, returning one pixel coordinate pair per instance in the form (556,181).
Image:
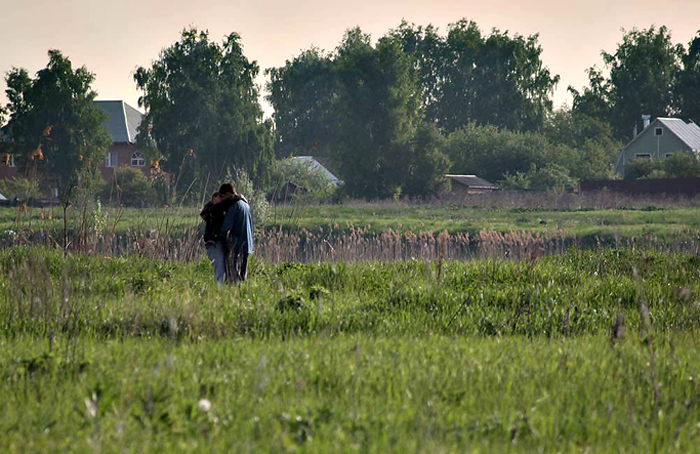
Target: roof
(314,165)
(689,133)
(472,181)
(123,120)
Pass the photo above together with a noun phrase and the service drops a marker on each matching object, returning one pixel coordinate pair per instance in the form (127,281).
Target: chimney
(634,131)
(646,119)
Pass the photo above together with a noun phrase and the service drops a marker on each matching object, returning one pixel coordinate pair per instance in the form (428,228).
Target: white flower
(204,405)
(91,406)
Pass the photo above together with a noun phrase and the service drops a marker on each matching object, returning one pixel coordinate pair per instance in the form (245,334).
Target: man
(237,228)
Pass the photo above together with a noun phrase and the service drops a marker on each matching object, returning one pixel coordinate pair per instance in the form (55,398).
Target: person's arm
(229,221)
(206,210)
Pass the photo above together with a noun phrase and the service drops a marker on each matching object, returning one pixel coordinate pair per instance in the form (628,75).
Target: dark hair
(216,194)
(227,188)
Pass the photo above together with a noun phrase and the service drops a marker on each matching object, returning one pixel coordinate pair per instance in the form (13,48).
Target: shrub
(129,187)
(312,184)
(21,188)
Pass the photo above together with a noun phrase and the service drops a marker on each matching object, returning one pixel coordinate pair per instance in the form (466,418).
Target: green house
(660,139)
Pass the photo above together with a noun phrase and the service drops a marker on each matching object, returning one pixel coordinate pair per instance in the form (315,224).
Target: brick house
(122,124)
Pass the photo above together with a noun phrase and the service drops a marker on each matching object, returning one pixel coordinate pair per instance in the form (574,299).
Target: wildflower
(204,405)
(91,406)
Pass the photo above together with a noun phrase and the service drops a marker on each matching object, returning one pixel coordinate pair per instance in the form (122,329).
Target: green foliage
(551,176)
(492,153)
(202,110)
(56,128)
(377,115)
(21,188)
(590,136)
(376,109)
(682,164)
(312,184)
(592,349)
(466,76)
(688,86)
(129,187)
(304,93)
(427,163)
(259,206)
(643,74)
(640,168)
(678,165)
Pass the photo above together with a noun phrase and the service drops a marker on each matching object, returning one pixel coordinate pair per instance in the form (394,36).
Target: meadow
(589,351)
(488,226)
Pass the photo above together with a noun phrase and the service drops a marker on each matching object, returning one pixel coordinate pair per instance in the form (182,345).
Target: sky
(113,38)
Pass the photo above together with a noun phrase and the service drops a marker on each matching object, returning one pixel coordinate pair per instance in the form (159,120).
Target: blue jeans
(218,260)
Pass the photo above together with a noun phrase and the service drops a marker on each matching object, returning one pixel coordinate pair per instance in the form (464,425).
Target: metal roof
(123,120)
(472,181)
(689,133)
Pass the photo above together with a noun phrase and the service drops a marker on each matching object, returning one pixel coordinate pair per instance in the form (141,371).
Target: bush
(640,168)
(312,184)
(129,187)
(551,176)
(21,188)
(259,206)
(680,165)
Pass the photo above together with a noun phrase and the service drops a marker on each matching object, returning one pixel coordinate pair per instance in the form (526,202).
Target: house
(470,184)
(660,139)
(122,124)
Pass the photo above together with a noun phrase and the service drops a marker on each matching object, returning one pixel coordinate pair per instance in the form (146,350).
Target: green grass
(354,394)
(423,217)
(114,354)
(400,217)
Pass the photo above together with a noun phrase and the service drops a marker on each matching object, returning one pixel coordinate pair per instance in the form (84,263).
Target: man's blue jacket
(238,227)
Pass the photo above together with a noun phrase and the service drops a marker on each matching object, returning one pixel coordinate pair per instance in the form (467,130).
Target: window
(668,155)
(659,131)
(111,159)
(137,160)
(642,156)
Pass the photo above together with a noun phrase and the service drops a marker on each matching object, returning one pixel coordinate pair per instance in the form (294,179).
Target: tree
(595,100)
(491,153)
(427,163)
(688,86)
(378,111)
(303,94)
(54,125)
(590,136)
(643,74)
(468,77)
(512,84)
(202,110)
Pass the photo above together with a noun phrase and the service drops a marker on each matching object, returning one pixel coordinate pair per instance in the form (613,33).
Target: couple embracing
(228,234)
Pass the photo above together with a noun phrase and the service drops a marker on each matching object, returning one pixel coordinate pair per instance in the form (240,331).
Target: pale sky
(114,37)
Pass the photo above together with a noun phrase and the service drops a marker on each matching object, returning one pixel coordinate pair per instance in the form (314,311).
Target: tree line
(395,114)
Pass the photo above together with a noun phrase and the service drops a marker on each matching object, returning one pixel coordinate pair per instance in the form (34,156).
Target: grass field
(401,217)
(139,355)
